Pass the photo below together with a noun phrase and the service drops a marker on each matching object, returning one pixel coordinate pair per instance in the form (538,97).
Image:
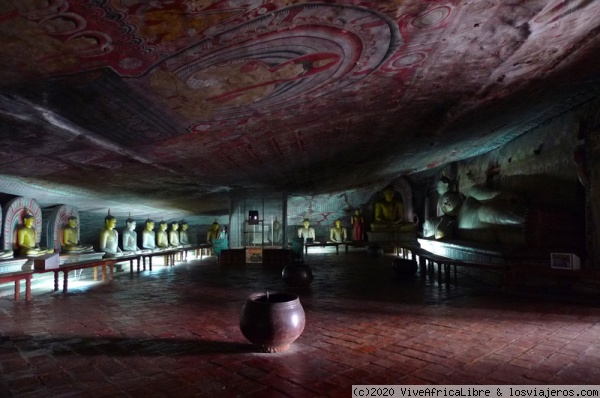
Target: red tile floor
(175,332)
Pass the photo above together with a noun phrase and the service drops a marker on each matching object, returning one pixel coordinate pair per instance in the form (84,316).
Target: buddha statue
(149,236)
(337,233)
(183,234)
(162,238)
(213,233)
(484,215)
(130,238)
(276,231)
(444,226)
(306,232)
(27,238)
(109,238)
(389,213)
(70,238)
(174,235)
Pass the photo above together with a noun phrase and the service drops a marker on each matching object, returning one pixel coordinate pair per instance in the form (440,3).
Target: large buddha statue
(183,234)
(27,238)
(389,213)
(337,233)
(213,233)
(485,215)
(149,236)
(109,238)
(162,237)
(306,232)
(174,235)
(70,238)
(130,238)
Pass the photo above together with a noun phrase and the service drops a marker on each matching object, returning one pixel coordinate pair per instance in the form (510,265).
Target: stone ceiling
(154,105)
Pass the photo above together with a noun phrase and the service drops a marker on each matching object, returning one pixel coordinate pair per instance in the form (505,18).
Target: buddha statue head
(110,222)
(149,225)
(131,224)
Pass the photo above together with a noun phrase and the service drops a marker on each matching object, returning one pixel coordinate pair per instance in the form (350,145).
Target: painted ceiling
(173,104)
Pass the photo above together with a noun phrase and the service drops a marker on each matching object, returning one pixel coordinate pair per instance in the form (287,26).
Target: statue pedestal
(46,261)
(76,257)
(12,265)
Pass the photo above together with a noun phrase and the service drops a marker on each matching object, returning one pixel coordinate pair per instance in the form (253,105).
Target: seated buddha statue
(337,233)
(130,238)
(306,232)
(27,238)
(162,238)
(389,213)
(70,238)
(276,231)
(149,236)
(213,233)
(174,235)
(109,238)
(183,234)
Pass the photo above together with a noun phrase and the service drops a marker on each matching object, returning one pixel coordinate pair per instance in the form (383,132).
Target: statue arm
(103,240)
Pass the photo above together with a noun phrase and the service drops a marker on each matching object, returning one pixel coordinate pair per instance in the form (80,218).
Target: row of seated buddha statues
(337,232)
(109,238)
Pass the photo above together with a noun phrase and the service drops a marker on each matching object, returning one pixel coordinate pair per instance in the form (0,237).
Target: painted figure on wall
(27,238)
(70,238)
(337,233)
(357,222)
(306,232)
(109,238)
(235,83)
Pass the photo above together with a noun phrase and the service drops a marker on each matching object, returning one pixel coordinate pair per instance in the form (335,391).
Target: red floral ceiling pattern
(174,103)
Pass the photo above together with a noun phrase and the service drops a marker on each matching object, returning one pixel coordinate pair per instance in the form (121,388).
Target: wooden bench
(17,277)
(354,244)
(66,268)
(322,244)
(427,262)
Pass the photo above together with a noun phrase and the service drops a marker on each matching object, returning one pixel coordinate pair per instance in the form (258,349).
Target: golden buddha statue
(213,233)
(306,232)
(337,233)
(70,238)
(389,213)
(27,238)
(162,238)
(109,238)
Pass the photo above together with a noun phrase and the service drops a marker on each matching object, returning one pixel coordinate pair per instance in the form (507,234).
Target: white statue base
(12,265)
(77,257)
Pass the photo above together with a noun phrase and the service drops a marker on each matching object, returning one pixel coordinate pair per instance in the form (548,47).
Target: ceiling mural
(174,103)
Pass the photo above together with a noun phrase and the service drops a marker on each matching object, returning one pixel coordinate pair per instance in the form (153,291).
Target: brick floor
(175,332)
